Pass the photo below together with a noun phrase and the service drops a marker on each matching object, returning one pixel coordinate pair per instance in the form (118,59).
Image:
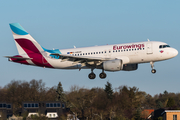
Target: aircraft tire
(92,76)
(102,75)
(153,71)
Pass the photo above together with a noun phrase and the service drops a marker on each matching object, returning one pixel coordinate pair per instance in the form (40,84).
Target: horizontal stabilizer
(20,58)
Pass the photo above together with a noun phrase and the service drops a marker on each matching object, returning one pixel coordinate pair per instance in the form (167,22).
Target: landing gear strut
(152,66)
(92,75)
(102,75)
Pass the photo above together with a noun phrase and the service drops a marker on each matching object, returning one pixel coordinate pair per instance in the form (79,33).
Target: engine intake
(130,67)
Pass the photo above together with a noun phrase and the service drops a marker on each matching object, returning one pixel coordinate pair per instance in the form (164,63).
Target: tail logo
(18,29)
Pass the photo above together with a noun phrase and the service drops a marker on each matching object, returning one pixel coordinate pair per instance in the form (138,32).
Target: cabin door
(149,48)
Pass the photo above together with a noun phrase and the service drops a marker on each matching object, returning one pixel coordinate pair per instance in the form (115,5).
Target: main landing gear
(93,76)
(102,75)
(152,66)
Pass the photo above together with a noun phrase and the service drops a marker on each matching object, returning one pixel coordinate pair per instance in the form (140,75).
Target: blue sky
(63,24)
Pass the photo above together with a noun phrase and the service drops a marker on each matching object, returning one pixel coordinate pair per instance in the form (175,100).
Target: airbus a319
(115,57)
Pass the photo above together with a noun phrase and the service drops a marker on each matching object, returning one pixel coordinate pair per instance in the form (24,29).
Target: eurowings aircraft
(115,57)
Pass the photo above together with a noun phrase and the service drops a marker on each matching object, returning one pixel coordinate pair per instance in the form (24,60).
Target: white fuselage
(129,53)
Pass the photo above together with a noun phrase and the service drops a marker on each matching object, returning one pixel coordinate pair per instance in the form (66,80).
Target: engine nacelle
(113,65)
(130,67)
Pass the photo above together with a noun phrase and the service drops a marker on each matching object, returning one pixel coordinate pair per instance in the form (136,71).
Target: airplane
(112,58)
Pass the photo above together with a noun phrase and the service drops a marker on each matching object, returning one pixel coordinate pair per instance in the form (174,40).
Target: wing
(88,60)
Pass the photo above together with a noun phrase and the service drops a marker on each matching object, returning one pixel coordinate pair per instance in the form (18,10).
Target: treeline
(125,103)
(18,91)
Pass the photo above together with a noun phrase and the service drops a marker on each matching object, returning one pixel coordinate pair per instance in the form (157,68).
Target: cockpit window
(163,46)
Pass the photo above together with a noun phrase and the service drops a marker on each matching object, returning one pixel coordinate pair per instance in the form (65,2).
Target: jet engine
(113,65)
(130,67)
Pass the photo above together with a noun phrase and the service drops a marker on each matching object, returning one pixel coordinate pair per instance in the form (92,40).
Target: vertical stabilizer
(24,42)
(28,48)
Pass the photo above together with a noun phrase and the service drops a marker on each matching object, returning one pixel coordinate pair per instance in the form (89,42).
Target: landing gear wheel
(153,71)
(92,76)
(152,66)
(102,75)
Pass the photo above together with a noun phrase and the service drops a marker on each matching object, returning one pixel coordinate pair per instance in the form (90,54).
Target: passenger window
(109,51)
(102,52)
(124,50)
(96,52)
(129,49)
(99,52)
(116,50)
(121,50)
(160,46)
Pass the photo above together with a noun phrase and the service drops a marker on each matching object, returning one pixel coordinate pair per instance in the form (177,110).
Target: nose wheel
(153,71)
(152,66)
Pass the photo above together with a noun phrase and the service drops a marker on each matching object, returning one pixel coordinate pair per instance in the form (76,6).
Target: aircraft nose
(175,52)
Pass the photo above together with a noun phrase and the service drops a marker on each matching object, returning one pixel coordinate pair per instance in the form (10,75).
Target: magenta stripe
(27,45)
(33,52)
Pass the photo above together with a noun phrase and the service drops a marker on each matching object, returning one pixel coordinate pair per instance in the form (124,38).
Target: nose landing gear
(152,66)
